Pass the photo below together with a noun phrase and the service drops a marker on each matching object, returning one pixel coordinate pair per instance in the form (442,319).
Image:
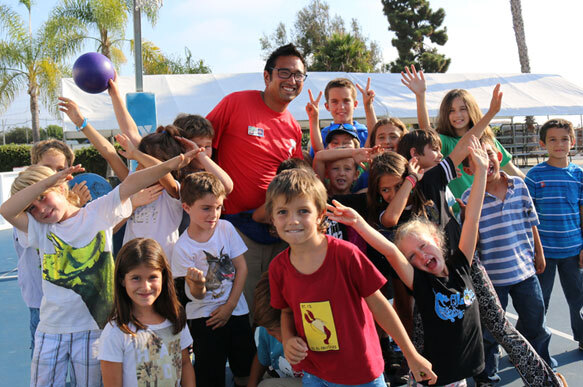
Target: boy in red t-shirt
(328,292)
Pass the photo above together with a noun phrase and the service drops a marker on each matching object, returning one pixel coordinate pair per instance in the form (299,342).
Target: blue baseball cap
(341,128)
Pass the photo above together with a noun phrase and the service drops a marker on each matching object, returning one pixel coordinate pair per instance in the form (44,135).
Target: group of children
(373,220)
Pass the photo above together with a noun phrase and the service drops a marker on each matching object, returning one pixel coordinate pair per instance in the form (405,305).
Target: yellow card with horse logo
(319,326)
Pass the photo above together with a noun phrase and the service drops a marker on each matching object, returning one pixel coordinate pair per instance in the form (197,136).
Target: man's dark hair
(287,50)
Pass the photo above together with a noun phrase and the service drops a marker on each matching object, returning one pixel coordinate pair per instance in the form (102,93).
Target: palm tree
(518,24)
(28,61)
(101,21)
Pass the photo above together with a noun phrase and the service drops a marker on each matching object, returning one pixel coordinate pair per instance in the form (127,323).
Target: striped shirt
(506,243)
(557,194)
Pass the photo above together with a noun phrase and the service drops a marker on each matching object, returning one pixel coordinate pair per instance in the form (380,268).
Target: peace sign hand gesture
(312,107)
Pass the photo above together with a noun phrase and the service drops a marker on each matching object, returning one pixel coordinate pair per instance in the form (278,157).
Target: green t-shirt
(459,185)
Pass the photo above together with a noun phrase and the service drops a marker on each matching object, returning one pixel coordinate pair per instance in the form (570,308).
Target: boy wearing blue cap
(340,94)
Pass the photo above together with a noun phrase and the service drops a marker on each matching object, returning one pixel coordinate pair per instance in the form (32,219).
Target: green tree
(52,131)
(314,31)
(27,61)
(19,135)
(102,21)
(343,52)
(188,65)
(155,62)
(414,23)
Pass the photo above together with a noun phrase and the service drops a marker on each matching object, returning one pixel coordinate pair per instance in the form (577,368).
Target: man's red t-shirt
(251,140)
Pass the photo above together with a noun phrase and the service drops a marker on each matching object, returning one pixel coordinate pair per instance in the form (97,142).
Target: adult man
(254,133)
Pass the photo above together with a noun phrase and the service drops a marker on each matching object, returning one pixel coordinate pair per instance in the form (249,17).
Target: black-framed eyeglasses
(284,73)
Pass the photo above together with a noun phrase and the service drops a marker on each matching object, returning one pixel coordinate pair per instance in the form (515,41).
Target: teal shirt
(459,185)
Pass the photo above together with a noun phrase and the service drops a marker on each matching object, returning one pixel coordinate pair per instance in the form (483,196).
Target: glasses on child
(286,74)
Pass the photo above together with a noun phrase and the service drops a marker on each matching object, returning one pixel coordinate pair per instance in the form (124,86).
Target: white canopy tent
(524,94)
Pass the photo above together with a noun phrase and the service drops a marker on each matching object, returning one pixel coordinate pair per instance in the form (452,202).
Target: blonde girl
(436,277)
(77,264)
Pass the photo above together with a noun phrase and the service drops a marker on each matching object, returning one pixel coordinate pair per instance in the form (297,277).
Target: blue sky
(225,33)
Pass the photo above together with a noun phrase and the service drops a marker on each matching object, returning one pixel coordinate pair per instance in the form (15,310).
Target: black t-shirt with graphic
(451,321)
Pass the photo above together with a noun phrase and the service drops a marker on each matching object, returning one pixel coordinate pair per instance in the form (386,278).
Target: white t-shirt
(158,220)
(29,272)
(77,279)
(213,257)
(152,356)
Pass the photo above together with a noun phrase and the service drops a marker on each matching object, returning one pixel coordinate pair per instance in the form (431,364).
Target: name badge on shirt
(253,131)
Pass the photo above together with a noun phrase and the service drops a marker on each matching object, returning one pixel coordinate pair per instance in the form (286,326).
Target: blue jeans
(34,320)
(310,380)
(527,299)
(571,277)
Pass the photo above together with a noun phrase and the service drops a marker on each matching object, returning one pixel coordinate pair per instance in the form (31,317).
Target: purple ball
(92,72)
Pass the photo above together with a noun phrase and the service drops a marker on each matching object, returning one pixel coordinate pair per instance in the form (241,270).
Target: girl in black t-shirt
(442,287)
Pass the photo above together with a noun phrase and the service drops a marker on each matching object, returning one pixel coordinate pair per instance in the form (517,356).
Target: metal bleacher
(523,143)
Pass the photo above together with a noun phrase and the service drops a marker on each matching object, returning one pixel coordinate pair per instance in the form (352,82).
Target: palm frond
(49,75)
(63,42)
(11,55)
(12,24)
(10,85)
(117,56)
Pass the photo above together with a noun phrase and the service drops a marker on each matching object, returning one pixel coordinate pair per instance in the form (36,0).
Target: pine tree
(414,24)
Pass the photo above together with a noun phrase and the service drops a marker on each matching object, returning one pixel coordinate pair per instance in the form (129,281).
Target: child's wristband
(83,125)
(412,180)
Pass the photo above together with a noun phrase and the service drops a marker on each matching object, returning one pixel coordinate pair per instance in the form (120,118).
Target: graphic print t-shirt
(151,358)
(213,257)
(331,314)
(451,321)
(77,265)
(158,220)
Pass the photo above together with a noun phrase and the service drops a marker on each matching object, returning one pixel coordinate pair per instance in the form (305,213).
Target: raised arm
(13,209)
(126,123)
(131,152)
(208,164)
(314,117)
(368,103)
(396,207)
(103,146)
(360,155)
(469,235)
(348,216)
(415,81)
(148,176)
(460,152)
